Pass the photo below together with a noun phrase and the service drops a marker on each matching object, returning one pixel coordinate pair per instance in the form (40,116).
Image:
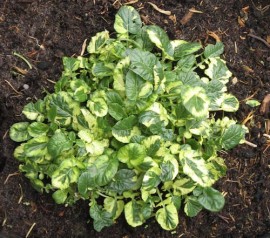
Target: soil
(44,31)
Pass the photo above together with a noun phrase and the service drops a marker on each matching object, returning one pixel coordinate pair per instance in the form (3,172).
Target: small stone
(26,86)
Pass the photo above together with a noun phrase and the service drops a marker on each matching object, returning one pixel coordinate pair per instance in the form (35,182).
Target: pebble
(26,86)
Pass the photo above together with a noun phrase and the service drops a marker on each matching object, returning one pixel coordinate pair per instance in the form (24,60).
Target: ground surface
(44,31)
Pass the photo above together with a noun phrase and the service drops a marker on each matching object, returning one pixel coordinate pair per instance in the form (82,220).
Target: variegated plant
(132,123)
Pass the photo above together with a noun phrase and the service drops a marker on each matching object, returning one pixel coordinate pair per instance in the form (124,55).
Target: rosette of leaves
(130,127)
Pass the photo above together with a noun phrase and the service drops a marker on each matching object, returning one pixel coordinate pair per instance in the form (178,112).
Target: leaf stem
(160,197)
(24,59)
(102,194)
(131,41)
(170,95)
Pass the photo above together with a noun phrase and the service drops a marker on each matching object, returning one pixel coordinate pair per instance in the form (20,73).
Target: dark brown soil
(44,31)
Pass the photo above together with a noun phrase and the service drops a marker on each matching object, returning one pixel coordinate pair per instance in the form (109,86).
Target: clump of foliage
(129,127)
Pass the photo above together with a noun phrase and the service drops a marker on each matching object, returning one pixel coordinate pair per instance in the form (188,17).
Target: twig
(24,59)
(51,81)
(266,135)
(83,47)
(12,87)
(250,144)
(260,39)
(5,219)
(168,13)
(21,197)
(10,175)
(31,228)
(131,2)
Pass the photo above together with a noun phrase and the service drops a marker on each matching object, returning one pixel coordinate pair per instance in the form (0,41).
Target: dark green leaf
(101,217)
(213,50)
(127,20)
(211,199)
(232,136)
(18,132)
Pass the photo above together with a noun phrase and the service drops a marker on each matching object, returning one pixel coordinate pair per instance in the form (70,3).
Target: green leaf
(211,51)
(58,143)
(98,174)
(98,106)
(36,129)
(101,217)
(18,132)
(80,90)
(65,175)
(151,179)
(192,206)
(169,168)
(232,136)
(117,111)
(36,147)
(167,217)
(195,167)
(211,199)
(127,20)
(101,70)
(63,106)
(230,103)
(186,63)
(134,84)
(113,206)
(217,69)
(195,101)
(97,42)
(183,48)
(87,180)
(183,186)
(142,63)
(125,129)
(71,64)
(60,196)
(133,213)
(132,154)
(253,103)
(123,180)
(34,111)
(160,38)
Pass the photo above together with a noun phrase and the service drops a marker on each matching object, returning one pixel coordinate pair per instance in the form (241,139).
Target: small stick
(10,175)
(21,197)
(12,87)
(266,135)
(24,59)
(168,13)
(51,81)
(31,228)
(250,144)
(260,39)
(83,47)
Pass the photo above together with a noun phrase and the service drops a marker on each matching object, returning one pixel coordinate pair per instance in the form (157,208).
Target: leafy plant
(130,127)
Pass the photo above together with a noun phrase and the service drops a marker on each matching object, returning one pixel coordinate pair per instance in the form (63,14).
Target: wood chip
(193,10)
(186,18)
(265,105)
(131,2)
(20,70)
(248,69)
(268,39)
(83,47)
(168,13)
(173,18)
(214,35)
(241,21)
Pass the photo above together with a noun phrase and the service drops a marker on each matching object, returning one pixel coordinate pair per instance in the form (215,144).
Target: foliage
(130,127)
